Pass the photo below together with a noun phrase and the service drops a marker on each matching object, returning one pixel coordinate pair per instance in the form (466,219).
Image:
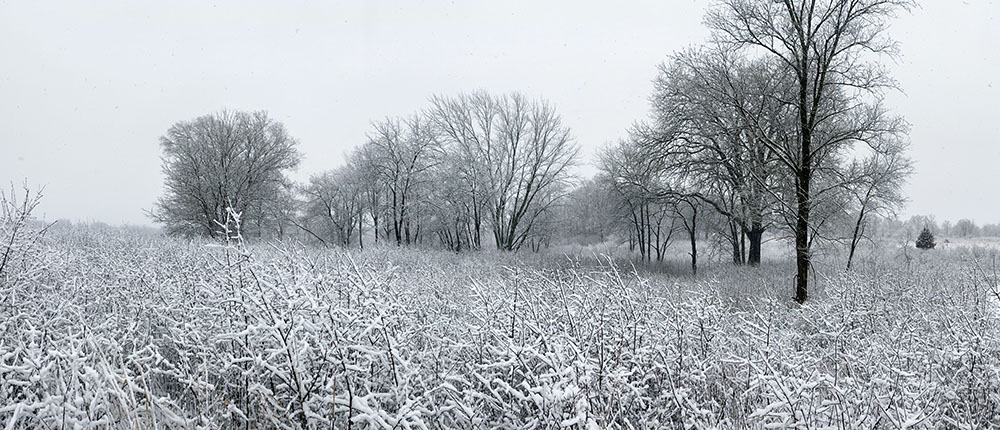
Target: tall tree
(225,160)
(827,46)
(465,127)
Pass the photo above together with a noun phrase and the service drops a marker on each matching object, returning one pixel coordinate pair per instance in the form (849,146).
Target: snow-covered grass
(121,330)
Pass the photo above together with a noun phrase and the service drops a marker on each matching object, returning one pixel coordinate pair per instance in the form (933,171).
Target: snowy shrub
(131,331)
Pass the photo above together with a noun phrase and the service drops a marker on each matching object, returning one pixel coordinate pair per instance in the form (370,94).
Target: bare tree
(827,47)
(709,110)
(876,188)
(966,228)
(644,190)
(400,154)
(225,160)
(512,153)
(687,209)
(465,126)
(334,206)
(590,212)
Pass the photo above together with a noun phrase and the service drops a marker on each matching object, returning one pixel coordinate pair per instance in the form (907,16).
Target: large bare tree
(709,109)
(224,160)
(829,47)
(465,126)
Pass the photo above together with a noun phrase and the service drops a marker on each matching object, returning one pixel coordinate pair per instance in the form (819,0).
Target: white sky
(87,88)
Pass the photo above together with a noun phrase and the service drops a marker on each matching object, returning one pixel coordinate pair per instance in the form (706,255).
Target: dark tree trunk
(856,237)
(694,247)
(804,176)
(755,236)
(692,228)
(743,246)
(735,231)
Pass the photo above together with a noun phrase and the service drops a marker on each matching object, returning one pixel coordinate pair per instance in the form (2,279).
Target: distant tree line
(963,228)
(468,169)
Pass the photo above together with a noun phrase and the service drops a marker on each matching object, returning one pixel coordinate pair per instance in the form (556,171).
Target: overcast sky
(87,88)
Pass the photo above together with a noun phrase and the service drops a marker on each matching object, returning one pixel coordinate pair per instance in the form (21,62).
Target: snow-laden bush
(131,331)
(20,240)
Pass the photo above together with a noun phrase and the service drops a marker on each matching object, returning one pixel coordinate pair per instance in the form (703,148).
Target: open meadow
(120,328)
(725,214)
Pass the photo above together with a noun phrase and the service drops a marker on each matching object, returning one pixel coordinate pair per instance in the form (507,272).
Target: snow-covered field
(117,329)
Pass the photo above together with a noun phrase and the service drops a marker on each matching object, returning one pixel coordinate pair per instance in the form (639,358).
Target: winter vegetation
(119,328)
(735,261)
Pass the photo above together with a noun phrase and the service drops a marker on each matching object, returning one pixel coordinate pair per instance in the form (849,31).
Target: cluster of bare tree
(468,166)
(777,124)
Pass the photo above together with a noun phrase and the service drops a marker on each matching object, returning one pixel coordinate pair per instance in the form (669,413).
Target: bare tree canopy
(711,112)
(334,205)
(399,155)
(225,160)
(511,154)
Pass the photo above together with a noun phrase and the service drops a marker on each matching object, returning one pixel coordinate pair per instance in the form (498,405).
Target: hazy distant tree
(224,160)
(827,47)
(640,184)
(875,185)
(589,213)
(278,212)
(915,223)
(334,206)
(373,188)
(400,154)
(945,228)
(926,239)
(511,155)
(966,228)
(990,230)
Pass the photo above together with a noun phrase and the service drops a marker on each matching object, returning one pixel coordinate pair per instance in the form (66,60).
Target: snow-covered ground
(122,330)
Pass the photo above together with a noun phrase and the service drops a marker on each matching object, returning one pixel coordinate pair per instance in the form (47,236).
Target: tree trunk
(694,248)
(803,177)
(693,234)
(755,236)
(743,246)
(735,231)
(802,231)
(855,238)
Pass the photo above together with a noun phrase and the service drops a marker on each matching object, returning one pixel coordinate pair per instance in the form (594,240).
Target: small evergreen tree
(926,239)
